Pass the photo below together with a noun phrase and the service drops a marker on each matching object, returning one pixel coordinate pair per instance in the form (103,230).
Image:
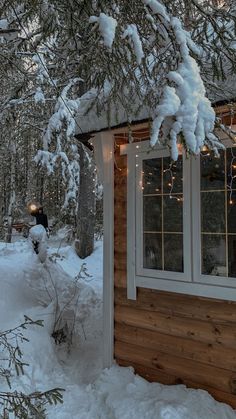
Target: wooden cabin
(170,259)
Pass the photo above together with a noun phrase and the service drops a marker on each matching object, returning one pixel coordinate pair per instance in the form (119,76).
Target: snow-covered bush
(17,403)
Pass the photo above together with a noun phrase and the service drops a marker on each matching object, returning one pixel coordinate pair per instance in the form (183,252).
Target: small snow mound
(37,233)
(38,237)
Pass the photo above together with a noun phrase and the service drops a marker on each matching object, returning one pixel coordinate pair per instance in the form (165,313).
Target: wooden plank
(120,208)
(120,229)
(120,168)
(150,374)
(119,242)
(180,305)
(197,330)
(121,221)
(120,194)
(121,138)
(159,376)
(120,278)
(120,263)
(120,180)
(122,184)
(121,251)
(184,369)
(202,352)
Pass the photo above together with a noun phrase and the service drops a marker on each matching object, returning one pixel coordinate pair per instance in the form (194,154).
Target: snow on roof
(113,115)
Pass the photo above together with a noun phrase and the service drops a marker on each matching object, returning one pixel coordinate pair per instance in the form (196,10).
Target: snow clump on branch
(107,27)
(186,101)
(132,33)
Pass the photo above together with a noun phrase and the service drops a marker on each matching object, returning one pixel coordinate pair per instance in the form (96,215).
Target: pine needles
(23,406)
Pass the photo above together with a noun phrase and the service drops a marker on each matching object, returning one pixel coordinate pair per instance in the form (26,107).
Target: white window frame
(155,273)
(196,229)
(190,282)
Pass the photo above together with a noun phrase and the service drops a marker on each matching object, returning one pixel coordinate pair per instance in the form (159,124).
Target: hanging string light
(232,176)
(171,182)
(232,163)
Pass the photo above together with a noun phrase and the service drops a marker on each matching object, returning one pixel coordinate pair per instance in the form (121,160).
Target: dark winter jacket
(41,218)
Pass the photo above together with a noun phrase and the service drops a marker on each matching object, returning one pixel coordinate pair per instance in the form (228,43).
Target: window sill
(187,287)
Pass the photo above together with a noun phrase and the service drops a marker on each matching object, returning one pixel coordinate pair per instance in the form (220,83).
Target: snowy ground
(53,292)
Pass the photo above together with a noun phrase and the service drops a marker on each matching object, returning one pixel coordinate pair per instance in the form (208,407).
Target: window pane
(212,171)
(173,252)
(152,213)
(173,213)
(231,167)
(172,175)
(213,212)
(152,172)
(213,255)
(232,255)
(162,214)
(231,210)
(152,251)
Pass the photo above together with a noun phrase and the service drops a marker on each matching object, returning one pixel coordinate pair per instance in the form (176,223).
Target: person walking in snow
(41,218)
(37,234)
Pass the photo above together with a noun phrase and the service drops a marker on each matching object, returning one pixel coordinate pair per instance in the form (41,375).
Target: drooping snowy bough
(136,54)
(185,102)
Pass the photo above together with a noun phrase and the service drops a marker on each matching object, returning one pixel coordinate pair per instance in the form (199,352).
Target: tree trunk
(1,217)
(12,192)
(84,242)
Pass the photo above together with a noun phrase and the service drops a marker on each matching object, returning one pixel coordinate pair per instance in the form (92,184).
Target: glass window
(181,222)
(218,213)
(162,193)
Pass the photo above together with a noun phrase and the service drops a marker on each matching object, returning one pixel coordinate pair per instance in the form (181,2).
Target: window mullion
(195,219)
(226,217)
(162,218)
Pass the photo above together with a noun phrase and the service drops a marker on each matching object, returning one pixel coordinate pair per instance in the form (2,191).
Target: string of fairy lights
(206,153)
(232,164)
(170,182)
(232,176)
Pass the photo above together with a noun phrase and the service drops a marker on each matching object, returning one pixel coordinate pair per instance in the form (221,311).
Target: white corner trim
(131,225)
(104,143)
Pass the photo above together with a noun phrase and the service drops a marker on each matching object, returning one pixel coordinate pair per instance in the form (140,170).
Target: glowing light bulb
(33,207)
(231,202)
